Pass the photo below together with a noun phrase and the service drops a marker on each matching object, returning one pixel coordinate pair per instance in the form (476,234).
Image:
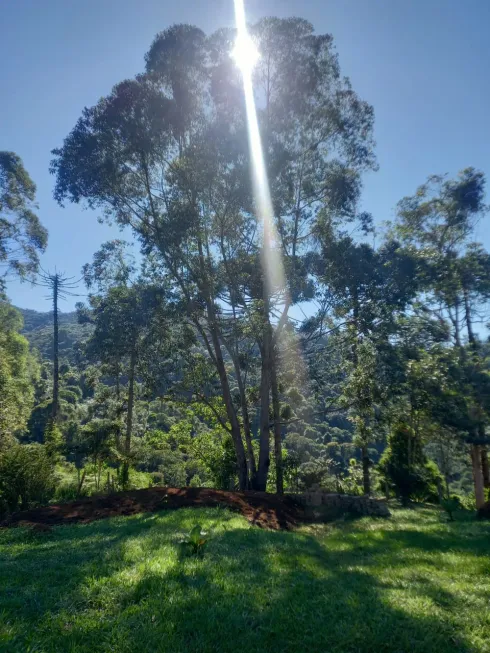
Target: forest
(307,382)
(326,348)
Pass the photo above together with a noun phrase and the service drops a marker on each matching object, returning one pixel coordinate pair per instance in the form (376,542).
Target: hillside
(38,329)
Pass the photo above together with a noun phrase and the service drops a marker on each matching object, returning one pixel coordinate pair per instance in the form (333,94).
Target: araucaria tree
(167,154)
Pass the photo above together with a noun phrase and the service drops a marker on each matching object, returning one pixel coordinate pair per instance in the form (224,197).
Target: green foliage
(18,373)
(53,440)
(27,477)
(195,542)
(67,492)
(22,236)
(406,469)
(450,505)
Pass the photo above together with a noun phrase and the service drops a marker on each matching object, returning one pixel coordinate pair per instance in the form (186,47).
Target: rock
(329,506)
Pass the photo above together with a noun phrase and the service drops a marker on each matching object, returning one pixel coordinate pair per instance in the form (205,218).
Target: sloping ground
(414,583)
(261,509)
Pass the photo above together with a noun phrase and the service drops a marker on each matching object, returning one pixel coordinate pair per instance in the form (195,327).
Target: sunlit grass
(412,583)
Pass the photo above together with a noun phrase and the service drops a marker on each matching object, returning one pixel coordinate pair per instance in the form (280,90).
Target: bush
(450,506)
(156,478)
(69,492)
(27,477)
(315,474)
(196,481)
(406,469)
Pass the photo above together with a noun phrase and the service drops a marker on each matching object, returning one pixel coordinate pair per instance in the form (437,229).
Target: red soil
(265,510)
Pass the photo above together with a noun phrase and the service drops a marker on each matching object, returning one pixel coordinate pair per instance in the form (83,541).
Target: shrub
(406,469)
(69,492)
(450,506)
(156,478)
(194,543)
(196,481)
(315,474)
(27,477)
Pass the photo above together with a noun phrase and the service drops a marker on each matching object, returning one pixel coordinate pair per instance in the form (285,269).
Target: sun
(245,52)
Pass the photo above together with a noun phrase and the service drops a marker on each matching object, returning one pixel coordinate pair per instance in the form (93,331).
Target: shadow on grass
(254,590)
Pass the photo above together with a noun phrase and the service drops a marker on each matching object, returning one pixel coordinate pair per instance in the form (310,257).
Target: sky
(423,64)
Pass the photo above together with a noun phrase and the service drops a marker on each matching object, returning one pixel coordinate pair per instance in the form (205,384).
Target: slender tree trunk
(277,424)
(445,468)
(476,454)
(260,482)
(265,372)
(366,478)
(118,415)
(80,482)
(56,360)
(129,422)
(247,431)
(467,314)
(485,468)
(477,475)
(236,431)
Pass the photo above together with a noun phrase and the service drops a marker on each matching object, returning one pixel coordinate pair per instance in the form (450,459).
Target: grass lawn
(410,584)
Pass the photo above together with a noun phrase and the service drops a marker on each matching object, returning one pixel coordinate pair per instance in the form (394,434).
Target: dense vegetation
(231,352)
(414,583)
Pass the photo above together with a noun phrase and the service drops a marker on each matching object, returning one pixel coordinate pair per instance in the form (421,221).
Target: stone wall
(325,505)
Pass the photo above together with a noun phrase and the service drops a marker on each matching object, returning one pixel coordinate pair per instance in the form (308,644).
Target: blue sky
(423,64)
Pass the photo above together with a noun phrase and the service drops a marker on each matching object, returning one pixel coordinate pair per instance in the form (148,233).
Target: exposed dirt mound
(261,509)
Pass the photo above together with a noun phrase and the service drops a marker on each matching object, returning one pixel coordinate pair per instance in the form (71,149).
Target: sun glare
(246,56)
(245,53)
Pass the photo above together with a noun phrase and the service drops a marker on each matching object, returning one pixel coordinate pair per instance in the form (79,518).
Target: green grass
(414,583)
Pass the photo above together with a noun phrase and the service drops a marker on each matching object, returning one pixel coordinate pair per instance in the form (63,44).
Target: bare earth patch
(262,509)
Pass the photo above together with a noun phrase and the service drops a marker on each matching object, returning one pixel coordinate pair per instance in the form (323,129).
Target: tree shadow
(254,590)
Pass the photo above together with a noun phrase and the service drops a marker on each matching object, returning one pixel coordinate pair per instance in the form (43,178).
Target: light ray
(246,55)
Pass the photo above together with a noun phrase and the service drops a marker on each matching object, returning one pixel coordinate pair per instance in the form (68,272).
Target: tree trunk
(260,481)
(477,475)
(236,431)
(80,482)
(366,479)
(252,468)
(485,468)
(277,424)
(129,422)
(56,360)
(476,450)
(467,315)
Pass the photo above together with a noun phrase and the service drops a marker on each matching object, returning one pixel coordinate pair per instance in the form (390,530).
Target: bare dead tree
(60,287)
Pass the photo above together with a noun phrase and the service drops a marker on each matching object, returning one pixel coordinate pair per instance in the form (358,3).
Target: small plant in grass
(450,505)
(194,543)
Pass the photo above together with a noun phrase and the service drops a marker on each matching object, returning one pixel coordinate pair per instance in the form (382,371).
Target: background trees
(230,352)
(18,373)
(22,236)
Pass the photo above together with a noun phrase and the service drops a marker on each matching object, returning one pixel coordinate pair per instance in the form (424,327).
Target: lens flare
(245,53)
(246,56)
